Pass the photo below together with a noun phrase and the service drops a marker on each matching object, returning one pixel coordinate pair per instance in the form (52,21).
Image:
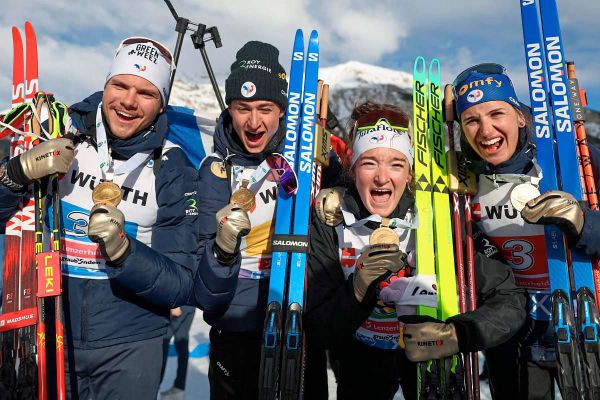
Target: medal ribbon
(104,152)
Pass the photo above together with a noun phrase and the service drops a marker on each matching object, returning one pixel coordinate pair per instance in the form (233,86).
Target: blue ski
(281,356)
(292,360)
(271,343)
(553,120)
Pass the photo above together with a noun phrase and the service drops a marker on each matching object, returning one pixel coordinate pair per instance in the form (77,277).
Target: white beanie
(147,59)
(382,135)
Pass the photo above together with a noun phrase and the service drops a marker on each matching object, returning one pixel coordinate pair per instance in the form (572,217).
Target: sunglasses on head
(485,68)
(284,173)
(163,50)
(369,120)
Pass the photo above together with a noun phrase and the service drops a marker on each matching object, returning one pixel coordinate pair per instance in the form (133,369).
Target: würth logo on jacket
(127,194)
(494,212)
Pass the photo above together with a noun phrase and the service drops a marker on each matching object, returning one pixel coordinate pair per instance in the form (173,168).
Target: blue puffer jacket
(134,303)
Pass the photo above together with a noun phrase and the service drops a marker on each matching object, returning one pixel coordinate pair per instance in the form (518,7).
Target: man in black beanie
(237,240)
(235,246)
(257,83)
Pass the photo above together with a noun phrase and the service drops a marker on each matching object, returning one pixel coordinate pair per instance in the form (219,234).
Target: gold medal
(218,169)
(243,197)
(384,234)
(107,192)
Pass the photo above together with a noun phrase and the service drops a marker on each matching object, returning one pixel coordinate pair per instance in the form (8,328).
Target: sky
(77,38)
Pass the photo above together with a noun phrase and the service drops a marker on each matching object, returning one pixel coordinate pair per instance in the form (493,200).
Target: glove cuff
(119,261)
(224,257)
(14,178)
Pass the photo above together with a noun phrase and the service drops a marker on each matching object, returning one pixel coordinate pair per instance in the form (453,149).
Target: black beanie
(257,75)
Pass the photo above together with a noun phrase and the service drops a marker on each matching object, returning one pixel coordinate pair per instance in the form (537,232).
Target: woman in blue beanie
(497,139)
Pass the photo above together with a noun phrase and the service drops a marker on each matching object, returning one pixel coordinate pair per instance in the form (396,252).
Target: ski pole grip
(325,102)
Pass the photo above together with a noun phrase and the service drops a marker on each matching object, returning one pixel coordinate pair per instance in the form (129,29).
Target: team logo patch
(377,139)
(474,96)
(248,89)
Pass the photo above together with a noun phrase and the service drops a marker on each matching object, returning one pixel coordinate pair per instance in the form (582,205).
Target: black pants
(121,372)
(235,365)
(515,378)
(179,329)
(370,373)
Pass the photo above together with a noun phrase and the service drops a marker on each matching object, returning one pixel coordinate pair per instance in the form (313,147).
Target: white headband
(143,58)
(381,135)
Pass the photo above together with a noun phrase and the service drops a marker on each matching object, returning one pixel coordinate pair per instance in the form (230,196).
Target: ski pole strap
(518,178)
(290,243)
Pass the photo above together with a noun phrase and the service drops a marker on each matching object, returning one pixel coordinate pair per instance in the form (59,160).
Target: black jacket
(333,313)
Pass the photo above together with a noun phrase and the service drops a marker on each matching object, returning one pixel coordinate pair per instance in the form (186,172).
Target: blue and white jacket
(249,274)
(106,304)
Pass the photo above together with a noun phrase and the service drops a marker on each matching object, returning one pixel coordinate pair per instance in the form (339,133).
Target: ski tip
(434,67)
(299,34)
(420,64)
(15,32)
(314,35)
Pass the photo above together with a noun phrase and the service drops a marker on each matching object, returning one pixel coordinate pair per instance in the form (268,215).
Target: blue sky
(77,38)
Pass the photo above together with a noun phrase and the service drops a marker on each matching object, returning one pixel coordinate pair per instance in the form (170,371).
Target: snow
(354,74)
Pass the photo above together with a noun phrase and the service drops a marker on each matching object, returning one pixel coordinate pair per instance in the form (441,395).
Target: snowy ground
(197,378)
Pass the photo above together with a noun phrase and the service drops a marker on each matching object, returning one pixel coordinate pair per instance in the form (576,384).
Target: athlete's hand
(47,158)
(556,207)
(233,223)
(428,340)
(375,264)
(328,206)
(106,228)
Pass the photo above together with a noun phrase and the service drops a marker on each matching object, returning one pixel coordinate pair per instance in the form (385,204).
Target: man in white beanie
(129,206)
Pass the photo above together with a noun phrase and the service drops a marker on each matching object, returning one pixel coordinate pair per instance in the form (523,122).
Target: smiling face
(255,122)
(130,104)
(492,130)
(381,176)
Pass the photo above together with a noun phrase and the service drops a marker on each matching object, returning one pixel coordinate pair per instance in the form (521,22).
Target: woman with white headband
(361,270)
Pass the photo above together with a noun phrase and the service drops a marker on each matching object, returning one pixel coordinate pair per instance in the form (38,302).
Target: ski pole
(587,310)
(199,43)
(461,182)
(182,26)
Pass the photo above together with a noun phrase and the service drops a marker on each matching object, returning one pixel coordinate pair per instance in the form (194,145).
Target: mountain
(349,84)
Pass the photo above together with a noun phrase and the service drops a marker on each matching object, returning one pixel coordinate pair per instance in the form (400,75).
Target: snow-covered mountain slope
(350,83)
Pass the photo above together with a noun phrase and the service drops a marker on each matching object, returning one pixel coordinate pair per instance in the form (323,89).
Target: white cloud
(77,37)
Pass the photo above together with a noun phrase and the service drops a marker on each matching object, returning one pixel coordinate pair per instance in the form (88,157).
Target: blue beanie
(480,87)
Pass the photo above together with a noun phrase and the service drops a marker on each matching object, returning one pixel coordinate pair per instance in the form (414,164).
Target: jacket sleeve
(8,203)
(500,309)
(589,239)
(214,283)
(332,314)
(162,273)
